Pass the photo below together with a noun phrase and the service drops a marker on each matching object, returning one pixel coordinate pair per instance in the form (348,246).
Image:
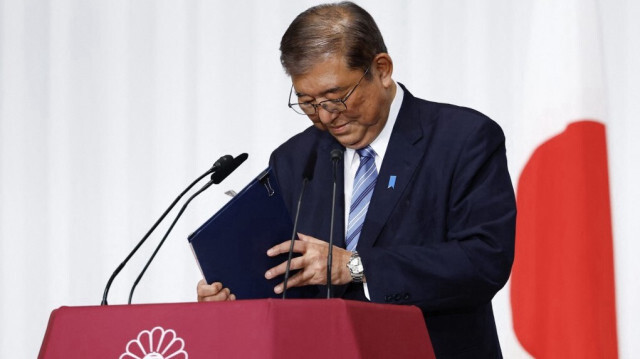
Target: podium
(264,328)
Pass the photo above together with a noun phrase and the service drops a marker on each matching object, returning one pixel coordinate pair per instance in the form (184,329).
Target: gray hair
(343,28)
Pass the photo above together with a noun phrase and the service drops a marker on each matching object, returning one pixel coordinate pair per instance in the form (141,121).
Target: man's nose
(327,117)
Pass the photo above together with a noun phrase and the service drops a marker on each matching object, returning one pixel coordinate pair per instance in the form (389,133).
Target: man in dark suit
(426,206)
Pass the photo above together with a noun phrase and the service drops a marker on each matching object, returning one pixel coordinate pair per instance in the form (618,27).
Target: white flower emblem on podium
(156,343)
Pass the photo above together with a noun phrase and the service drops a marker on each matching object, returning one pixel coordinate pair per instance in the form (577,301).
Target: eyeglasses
(332,106)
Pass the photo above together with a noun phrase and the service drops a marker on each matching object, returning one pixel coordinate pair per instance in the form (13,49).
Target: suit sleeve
(472,260)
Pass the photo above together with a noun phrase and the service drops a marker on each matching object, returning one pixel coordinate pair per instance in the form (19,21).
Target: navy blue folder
(231,247)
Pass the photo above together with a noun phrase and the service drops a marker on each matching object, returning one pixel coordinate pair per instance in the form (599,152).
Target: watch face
(356,268)
(356,265)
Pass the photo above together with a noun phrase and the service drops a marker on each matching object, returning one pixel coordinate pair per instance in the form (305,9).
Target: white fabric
(108,108)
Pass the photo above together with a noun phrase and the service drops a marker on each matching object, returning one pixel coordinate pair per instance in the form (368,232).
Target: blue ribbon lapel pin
(392,182)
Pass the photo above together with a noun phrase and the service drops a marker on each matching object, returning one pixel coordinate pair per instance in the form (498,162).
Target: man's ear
(384,68)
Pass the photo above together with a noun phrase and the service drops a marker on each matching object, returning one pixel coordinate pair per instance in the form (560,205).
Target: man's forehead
(335,89)
(329,76)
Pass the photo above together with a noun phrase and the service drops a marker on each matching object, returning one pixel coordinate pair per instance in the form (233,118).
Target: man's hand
(213,292)
(312,263)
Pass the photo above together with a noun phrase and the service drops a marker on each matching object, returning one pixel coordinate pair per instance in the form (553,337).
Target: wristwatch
(355,267)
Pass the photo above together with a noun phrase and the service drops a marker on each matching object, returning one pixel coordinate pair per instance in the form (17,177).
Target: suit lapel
(399,163)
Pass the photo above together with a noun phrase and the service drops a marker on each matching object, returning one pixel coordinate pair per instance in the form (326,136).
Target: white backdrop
(109,108)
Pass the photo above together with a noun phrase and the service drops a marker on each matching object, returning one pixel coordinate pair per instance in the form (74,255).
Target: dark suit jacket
(441,239)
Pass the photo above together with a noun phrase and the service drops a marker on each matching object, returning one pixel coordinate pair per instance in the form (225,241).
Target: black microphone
(226,168)
(307,176)
(224,171)
(220,164)
(336,156)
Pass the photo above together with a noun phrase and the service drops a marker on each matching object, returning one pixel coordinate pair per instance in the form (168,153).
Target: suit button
(388,298)
(397,297)
(407,296)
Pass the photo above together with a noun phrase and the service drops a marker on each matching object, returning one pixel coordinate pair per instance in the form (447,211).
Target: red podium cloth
(266,328)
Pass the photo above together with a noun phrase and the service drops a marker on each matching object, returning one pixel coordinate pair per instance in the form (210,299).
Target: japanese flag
(562,285)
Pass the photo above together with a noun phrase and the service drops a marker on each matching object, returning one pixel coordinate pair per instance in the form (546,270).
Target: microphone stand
(219,163)
(217,177)
(293,237)
(336,155)
(307,175)
(184,206)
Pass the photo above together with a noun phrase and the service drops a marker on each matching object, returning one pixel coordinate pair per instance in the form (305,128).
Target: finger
(296,263)
(298,247)
(219,297)
(299,279)
(205,290)
(306,238)
(200,284)
(232,297)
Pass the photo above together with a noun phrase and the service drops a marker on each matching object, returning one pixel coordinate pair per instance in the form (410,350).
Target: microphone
(226,170)
(227,166)
(307,176)
(336,156)
(222,163)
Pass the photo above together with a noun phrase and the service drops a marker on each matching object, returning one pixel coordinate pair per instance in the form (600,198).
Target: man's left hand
(312,264)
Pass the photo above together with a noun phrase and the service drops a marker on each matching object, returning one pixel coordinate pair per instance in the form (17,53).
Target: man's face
(367,107)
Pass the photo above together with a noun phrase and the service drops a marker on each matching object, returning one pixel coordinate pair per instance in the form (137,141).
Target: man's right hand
(214,292)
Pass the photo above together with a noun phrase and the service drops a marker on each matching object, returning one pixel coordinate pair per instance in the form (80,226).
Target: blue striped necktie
(363,185)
